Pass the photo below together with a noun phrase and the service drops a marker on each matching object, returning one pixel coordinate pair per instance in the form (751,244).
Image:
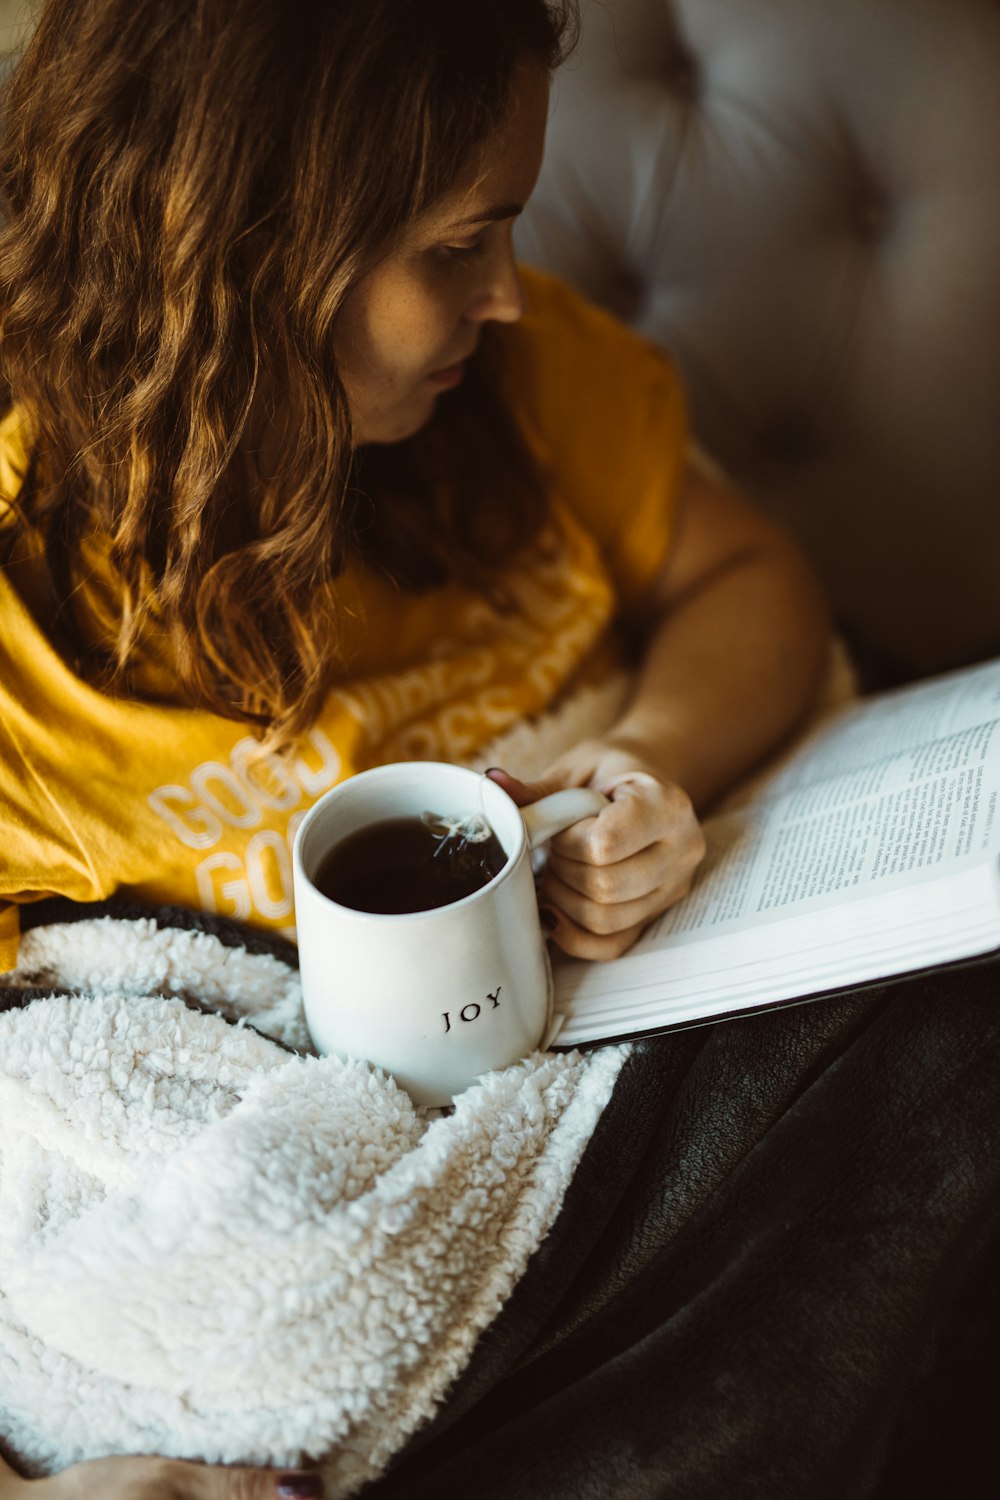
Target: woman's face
(407,328)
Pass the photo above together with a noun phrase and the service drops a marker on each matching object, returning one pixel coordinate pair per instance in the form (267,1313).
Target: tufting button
(682,75)
(871,216)
(625,294)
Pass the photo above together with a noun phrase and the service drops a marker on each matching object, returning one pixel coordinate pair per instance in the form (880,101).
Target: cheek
(393,330)
(413,334)
(415,316)
(386,346)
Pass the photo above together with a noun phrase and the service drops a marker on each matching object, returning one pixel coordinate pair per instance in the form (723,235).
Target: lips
(450,375)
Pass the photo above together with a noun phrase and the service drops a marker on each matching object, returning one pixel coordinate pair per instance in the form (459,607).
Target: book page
(880,825)
(872,729)
(941,921)
(873,849)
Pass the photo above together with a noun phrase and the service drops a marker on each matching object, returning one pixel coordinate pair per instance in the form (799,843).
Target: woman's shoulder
(560,323)
(571,362)
(551,301)
(605,412)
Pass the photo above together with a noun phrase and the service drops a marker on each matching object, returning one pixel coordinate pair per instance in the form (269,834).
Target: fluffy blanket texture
(211,1247)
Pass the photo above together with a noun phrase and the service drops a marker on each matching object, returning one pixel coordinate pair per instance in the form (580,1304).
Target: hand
(161,1479)
(607,877)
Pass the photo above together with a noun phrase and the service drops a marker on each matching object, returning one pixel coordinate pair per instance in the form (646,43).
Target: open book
(871,851)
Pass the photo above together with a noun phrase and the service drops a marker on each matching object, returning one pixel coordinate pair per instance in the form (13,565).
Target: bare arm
(735,639)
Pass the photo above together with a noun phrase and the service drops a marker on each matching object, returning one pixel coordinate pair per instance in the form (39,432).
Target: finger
(523,792)
(604,919)
(641,812)
(173,1479)
(627,880)
(231,1483)
(579,942)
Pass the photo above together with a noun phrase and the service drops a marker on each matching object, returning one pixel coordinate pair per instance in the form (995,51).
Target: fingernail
(300,1486)
(549,918)
(494,771)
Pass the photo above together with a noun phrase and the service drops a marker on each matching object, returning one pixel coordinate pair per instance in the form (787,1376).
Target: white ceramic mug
(437,997)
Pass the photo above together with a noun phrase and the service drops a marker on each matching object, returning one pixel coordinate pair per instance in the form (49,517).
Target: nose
(500,298)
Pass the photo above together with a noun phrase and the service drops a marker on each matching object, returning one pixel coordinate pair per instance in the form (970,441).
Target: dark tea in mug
(410,864)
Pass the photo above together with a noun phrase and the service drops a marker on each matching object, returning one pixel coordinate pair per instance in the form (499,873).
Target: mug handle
(550,815)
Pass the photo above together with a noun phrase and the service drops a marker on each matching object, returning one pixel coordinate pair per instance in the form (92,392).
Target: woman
(302,474)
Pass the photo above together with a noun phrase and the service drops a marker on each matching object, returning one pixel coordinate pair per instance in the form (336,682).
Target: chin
(398,426)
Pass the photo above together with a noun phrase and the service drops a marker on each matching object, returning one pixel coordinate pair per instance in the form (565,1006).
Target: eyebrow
(491,215)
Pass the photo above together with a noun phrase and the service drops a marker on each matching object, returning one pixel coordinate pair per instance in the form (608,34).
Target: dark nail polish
(300,1486)
(549,918)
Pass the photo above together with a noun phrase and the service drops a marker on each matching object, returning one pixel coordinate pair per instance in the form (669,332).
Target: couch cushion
(802,201)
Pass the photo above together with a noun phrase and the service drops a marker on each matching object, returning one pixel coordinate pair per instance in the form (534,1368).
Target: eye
(461,253)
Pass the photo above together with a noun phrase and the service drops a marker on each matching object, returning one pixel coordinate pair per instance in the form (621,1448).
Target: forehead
(506,167)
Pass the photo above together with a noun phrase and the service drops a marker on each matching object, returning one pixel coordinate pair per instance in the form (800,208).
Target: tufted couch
(801,200)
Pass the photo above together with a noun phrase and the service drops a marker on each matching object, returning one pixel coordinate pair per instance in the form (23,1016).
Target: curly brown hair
(191,188)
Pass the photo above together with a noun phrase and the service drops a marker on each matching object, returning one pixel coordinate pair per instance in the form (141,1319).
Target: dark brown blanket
(776,1275)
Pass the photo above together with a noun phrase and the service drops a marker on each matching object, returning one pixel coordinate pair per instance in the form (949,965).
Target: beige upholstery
(801,199)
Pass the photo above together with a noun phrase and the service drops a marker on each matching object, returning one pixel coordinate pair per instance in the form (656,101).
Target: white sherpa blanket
(210,1247)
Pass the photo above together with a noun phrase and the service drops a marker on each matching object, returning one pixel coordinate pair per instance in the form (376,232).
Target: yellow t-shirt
(162,803)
